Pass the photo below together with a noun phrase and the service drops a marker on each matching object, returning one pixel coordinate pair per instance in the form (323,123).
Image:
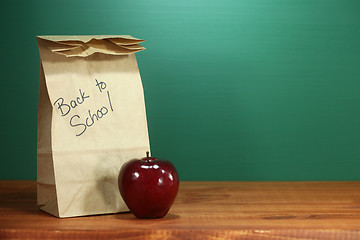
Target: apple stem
(147,156)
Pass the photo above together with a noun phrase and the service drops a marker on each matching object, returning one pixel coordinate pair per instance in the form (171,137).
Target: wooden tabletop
(202,210)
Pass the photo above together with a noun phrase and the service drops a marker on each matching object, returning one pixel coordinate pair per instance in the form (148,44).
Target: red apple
(148,186)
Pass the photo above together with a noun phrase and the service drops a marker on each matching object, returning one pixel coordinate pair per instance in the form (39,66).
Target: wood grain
(202,210)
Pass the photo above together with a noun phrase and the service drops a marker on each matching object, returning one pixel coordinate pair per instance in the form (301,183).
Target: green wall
(235,90)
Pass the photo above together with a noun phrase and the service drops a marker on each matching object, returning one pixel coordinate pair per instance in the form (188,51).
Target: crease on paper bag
(83,46)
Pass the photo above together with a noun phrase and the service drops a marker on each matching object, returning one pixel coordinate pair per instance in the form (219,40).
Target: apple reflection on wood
(148,186)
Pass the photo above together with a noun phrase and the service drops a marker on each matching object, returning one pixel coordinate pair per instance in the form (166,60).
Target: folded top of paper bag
(86,45)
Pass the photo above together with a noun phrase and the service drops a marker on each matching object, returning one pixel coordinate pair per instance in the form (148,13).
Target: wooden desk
(202,210)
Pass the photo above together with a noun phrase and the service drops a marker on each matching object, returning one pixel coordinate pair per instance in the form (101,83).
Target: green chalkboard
(234,90)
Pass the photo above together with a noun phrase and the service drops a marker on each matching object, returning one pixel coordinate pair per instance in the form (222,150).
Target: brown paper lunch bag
(91,119)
